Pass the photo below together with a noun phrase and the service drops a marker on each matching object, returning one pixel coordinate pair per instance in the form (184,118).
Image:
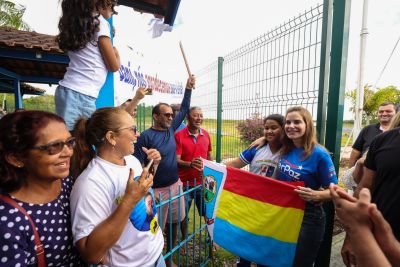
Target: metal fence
(195,247)
(301,62)
(277,70)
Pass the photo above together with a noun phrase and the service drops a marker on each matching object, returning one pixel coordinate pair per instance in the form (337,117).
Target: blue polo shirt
(164,142)
(316,171)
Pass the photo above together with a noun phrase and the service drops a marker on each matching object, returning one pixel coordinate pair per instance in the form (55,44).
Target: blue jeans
(199,201)
(72,105)
(311,236)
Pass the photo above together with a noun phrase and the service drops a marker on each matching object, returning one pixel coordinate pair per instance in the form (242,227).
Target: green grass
(221,257)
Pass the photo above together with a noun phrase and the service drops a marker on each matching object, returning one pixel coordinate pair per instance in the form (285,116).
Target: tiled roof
(30,40)
(22,53)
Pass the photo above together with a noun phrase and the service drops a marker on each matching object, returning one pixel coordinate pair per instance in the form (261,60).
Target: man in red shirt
(192,144)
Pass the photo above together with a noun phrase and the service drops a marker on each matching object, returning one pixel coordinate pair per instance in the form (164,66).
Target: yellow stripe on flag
(260,218)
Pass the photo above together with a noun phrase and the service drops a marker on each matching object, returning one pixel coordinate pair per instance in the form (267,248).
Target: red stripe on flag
(263,188)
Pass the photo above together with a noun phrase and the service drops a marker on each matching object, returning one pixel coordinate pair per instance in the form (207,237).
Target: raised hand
(191,82)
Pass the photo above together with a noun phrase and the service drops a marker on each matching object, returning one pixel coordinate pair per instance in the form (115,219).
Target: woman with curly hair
(85,35)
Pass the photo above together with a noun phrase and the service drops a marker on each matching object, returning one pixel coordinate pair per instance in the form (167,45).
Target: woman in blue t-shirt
(303,159)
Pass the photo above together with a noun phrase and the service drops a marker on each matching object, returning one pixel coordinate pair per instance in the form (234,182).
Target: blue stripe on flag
(260,249)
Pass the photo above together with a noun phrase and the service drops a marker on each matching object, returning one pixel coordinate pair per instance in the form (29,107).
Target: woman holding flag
(304,160)
(263,160)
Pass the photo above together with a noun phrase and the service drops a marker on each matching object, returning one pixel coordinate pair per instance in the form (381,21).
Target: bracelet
(191,165)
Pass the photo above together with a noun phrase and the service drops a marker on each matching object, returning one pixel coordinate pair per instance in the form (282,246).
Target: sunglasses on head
(56,147)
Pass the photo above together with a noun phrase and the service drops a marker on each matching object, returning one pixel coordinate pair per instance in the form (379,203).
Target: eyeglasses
(167,115)
(132,128)
(56,147)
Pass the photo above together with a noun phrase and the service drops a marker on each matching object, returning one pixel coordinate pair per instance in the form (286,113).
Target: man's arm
(367,181)
(183,164)
(354,156)
(139,95)
(185,105)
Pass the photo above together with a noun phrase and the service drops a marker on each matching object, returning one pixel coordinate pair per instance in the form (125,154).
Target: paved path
(336,258)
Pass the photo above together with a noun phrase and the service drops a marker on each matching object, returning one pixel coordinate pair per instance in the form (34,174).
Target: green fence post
(219,109)
(340,37)
(144,116)
(324,70)
(337,79)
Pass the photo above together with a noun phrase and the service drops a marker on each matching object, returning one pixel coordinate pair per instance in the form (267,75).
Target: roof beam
(8,73)
(141,5)
(33,55)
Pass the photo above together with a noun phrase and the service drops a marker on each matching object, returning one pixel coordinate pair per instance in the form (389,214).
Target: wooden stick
(185,59)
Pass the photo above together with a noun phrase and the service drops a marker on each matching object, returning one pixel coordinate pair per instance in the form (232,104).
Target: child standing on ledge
(85,34)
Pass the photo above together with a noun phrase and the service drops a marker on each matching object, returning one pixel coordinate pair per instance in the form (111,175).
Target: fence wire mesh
(277,70)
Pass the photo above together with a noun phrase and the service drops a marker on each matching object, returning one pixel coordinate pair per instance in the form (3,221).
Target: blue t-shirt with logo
(316,171)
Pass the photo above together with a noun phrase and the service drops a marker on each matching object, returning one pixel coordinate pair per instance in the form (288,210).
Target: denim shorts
(72,105)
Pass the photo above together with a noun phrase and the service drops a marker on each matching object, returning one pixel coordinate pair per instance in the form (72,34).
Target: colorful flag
(252,216)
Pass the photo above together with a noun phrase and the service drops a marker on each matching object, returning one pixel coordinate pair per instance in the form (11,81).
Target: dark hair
(77,24)
(389,103)
(276,117)
(156,108)
(91,133)
(18,134)
(175,107)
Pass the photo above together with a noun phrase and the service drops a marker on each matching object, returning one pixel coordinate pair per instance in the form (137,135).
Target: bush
(251,129)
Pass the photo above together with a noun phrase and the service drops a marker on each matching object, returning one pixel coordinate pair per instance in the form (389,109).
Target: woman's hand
(308,194)
(136,190)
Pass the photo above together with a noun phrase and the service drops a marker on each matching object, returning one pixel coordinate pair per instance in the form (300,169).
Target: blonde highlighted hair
(309,138)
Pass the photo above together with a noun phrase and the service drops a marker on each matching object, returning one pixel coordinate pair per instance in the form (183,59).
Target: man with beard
(166,180)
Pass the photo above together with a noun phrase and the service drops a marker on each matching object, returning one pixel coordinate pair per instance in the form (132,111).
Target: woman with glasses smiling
(110,224)
(35,152)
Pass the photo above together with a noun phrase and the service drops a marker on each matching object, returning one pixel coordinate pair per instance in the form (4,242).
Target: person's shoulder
(180,133)
(373,127)
(321,151)
(92,172)
(133,162)
(67,184)
(387,135)
(205,132)
(102,20)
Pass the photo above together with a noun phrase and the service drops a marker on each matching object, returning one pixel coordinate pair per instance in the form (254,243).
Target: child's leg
(72,105)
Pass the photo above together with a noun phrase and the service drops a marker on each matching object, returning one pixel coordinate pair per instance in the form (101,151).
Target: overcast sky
(210,28)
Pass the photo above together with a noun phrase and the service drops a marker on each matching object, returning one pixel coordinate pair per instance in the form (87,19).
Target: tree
(11,15)
(372,100)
